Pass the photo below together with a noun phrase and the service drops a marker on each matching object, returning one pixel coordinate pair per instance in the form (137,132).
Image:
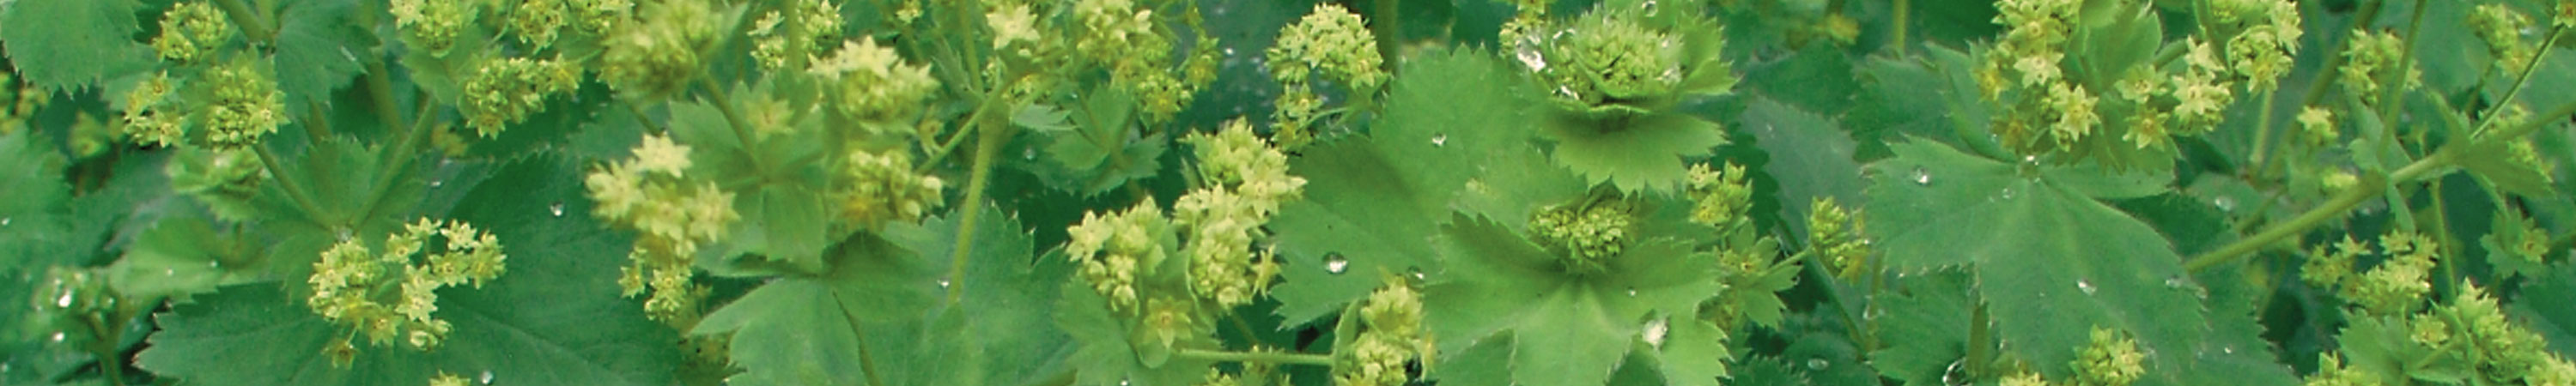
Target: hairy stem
(295,189)
(249,19)
(1254,357)
(990,142)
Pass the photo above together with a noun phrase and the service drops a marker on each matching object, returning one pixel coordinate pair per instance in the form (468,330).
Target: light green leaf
(1002,326)
(2053,265)
(68,45)
(1107,357)
(319,46)
(1567,329)
(804,330)
(1810,156)
(1376,200)
(1642,153)
(178,257)
(2492,162)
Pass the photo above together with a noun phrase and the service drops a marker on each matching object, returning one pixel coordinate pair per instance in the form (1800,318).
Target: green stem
(2525,79)
(2395,86)
(294,188)
(990,140)
(1389,24)
(2263,130)
(1979,353)
(1254,356)
(1899,34)
(2370,187)
(404,150)
(249,19)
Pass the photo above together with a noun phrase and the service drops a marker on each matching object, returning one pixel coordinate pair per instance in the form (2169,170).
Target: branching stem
(248,18)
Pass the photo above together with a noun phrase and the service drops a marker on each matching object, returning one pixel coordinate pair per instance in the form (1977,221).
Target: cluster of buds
(189,30)
(2502,28)
(1611,57)
(2370,59)
(2317,126)
(2033,45)
(1120,36)
(506,91)
(147,117)
(2332,372)
(1587,234)
(434,25)
(649,193)
(391,294)
(873,86)
(69,299)
(1838,237)
(2267,37)
(884,188)
(1246,180)
(598,17)
(225,180)
(2517,245)
(2396,286)
(2503,350)
(1331,42)
(1720,195)
(1110,251)
(792,36)
(658,55)
(445,379)
(2112,359)
(1390,334)
(537,22)
(244,105)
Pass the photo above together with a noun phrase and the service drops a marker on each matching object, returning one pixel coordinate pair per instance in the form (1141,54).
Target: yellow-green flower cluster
(1331,41)
(2332,372)
(2269,38)
(2328,268)
(2026,379)
(391,294)
(658,55)
(2397,286)
(1122,37)
(433,25)
(788,38)
(1246,180)
(2027,60)
(2370,58)
(245,105)
(649,193)
(506,91)
(189,30)
(445,379)
(2501,27)
(1012,24)
(1110,249)
(537,22)
(2317,126)
(1390,335)
(2111,360)
(600,16)
(2204,90)
(872,85)
(147,119)
(225,180)
(1721,196)
(1839,238)
(1610,57)
(1586,235)
(883,188)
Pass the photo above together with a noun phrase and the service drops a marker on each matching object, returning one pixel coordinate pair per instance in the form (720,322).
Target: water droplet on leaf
(557,209)
(1655,331)
(65,301)
(435,184)
(1530,57)
(2086,286)
(1921,177)
(1817,364)
(2224,204)
(58,337)
(943,283)
(1440,140)
(1334,263)
(486,378)
(1417,273)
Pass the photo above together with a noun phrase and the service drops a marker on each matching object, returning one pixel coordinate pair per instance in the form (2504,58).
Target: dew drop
(2175,282)
(1921,177)
(557,209)
(2008,193)
(169,272)
(2030,159)
(435,184)
(2086,286)
(1649,6)
(4,221)
(1817,364)
(1229,51)
(65,301)
(1029,153)
(1655,331)
(58,337)
(1530,57)
(1417,273)
(486,378)
(1439,140)
(2224,204)
(943,283)
(1632,292)
(1336,264)
(1122,382)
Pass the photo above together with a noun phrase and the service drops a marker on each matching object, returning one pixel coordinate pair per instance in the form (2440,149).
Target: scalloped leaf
(1566,329)
(1376,200)
(320,44)
(2053,264)
(1641,153)
(555,318)
(805,329)
(68,45)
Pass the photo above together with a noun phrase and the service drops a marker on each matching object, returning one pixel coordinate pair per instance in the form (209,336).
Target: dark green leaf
(68,45)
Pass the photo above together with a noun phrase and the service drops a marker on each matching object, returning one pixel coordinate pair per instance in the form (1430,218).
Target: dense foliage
(1292,192)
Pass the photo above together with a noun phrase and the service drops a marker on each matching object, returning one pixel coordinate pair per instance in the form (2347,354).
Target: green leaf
(2053,265)
(2543,308)
(2492,162)
(1933,336)
(1567,329)
(781,222)
(554,318)
(178,257)
(1642,153)
(1818,78)
(1376,200)
(68,45)
(1002,325)
(319,45)
(1810,156)
(1107,357)
(1933,97)
(805,330)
